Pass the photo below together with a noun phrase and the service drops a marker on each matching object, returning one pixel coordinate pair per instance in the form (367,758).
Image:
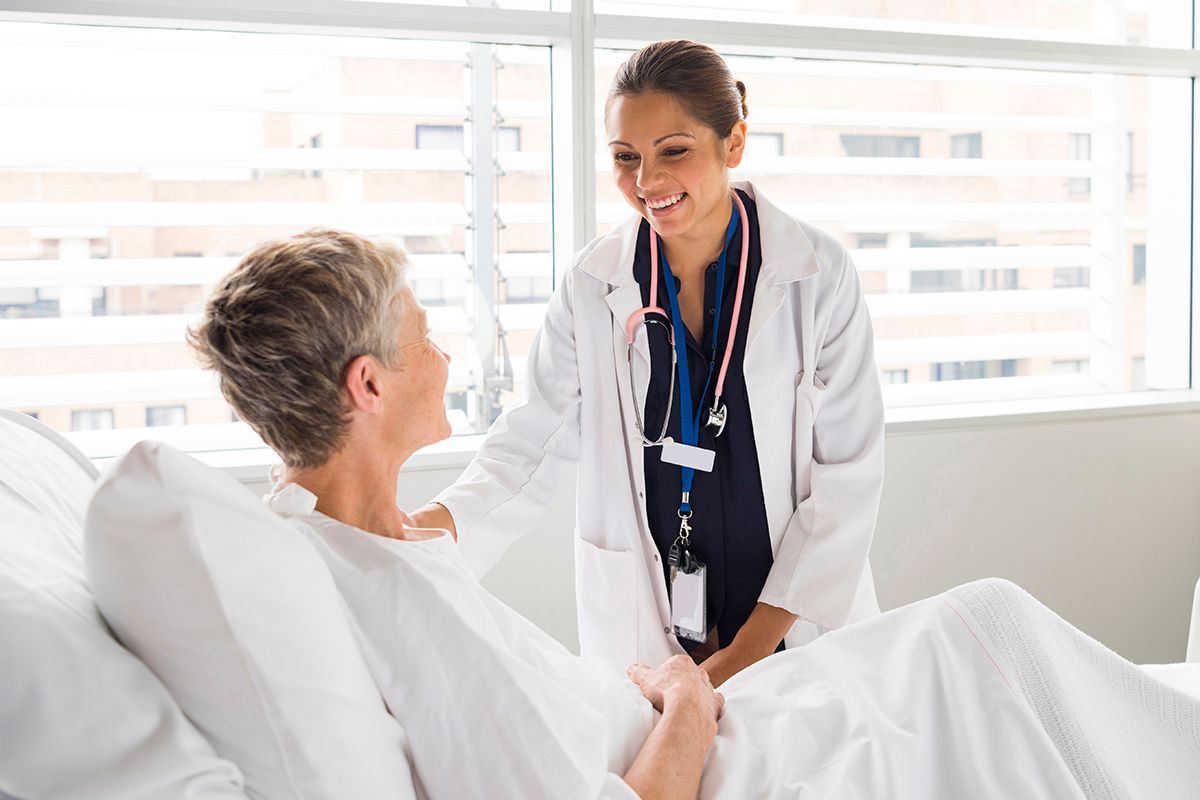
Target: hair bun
(741,87)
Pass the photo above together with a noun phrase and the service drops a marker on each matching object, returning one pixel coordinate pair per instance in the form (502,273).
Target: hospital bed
(1193,645)
(65,722)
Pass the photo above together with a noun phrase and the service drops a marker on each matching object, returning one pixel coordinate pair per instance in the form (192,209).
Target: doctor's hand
(435,515)
(678,682)
(727,662)
(757,639)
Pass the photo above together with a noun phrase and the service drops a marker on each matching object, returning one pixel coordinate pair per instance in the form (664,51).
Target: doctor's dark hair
(693,73)
(280,329)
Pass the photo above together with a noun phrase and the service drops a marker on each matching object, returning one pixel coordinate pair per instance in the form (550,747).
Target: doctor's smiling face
(672,168)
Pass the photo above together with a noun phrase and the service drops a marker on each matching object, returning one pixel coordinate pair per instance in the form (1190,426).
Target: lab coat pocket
(606,591)
(809,394)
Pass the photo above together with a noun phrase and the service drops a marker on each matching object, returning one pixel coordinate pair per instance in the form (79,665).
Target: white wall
(1098,517)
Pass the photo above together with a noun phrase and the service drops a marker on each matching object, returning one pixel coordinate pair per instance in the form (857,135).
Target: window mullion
(573,160)
(481,233)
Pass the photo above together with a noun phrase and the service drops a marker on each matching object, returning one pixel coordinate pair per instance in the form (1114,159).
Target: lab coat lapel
(623,301)
(611,260)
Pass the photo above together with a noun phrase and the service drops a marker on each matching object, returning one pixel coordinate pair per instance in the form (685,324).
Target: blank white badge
(688,606)
(685,455)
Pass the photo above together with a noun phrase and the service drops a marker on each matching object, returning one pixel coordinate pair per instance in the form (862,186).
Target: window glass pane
(966,145)
(138,165)
(875,146)
(157,416)
(92,419)
(991,215)
(767,144)
(1159,23)
(441,137)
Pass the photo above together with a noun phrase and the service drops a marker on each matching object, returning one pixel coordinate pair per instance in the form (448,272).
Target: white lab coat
(818,433)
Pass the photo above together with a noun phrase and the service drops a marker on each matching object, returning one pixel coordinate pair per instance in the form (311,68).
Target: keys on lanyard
(680,557)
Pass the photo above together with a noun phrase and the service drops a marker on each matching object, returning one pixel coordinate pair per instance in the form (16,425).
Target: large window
(1019,215)
(138,165)
(984,267)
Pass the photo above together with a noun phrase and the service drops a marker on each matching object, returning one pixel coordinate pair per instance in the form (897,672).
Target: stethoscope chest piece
(716,419)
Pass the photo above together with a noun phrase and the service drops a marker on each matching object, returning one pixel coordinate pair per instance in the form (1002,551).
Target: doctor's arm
(513,477)
(821,561)
(435,515)
(756,640)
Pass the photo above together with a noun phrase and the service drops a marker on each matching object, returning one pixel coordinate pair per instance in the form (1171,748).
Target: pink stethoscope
(717,413)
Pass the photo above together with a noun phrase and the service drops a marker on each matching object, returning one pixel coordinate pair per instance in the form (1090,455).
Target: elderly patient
(981,692)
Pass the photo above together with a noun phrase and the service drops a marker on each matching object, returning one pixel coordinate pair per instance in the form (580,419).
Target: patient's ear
(363,382)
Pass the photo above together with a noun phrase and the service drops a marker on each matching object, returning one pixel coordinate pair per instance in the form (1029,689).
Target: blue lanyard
(689,414)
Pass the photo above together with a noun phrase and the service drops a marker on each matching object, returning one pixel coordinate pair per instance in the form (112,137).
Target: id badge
(689,619)
(684,455)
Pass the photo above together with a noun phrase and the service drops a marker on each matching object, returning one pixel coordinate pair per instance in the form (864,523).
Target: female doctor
(709,366)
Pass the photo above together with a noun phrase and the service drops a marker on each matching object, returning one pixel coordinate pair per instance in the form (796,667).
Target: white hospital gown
(919,703)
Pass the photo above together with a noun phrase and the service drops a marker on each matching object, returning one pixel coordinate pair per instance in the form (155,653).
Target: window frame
(573,32)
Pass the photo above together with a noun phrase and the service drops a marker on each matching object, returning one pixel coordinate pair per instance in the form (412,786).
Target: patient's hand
(669,765)
(678,680)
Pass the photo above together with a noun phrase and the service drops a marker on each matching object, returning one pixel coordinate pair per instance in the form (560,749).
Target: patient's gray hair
(281,327)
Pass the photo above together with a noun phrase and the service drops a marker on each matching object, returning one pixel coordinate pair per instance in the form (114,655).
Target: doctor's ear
(735,144)
(363,382)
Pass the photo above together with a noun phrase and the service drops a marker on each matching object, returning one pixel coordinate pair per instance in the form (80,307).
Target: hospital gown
(981,692)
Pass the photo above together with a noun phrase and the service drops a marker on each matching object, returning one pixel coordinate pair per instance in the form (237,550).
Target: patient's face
(418,383)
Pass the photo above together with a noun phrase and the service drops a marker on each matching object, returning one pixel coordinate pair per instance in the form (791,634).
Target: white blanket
(1122,733)
(978,693)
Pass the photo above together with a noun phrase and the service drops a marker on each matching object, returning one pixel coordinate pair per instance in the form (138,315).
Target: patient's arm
(672,758)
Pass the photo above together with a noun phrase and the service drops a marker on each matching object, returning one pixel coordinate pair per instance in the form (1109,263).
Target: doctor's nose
(647,177)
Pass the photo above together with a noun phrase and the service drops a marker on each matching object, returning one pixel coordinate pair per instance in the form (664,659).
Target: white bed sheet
(981,692)
(1184,677)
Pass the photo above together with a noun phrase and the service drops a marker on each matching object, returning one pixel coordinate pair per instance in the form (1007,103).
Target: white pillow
(238,615)
(541,722)
(80,717)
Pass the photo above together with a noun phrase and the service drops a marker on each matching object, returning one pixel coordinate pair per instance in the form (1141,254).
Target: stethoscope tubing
(643,316)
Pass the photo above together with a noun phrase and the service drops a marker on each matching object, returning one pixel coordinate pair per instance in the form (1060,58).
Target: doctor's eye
(675,151)
(624,158)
